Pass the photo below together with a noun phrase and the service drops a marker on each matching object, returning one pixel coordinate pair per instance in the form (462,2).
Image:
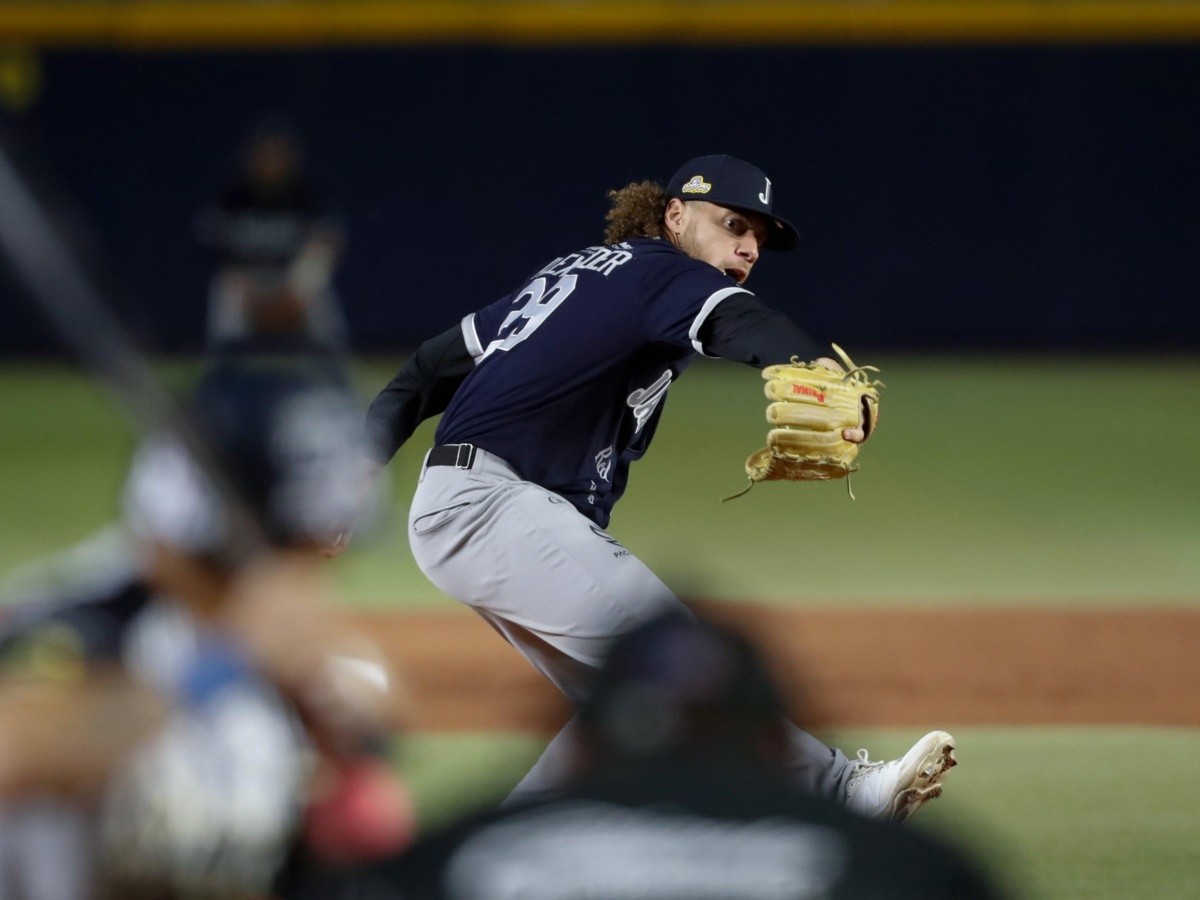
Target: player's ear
(673,217)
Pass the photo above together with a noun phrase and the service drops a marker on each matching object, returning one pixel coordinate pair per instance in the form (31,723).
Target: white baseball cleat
(895,790)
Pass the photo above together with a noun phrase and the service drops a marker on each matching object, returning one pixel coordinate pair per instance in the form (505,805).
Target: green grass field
(1017,481)
(990,481)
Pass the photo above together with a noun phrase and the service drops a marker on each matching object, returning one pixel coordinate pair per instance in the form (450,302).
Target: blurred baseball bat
(62,290)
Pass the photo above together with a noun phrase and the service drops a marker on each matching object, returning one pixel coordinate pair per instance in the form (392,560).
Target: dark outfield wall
(1044,196)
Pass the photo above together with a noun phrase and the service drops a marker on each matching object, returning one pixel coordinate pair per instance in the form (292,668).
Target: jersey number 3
(531,307)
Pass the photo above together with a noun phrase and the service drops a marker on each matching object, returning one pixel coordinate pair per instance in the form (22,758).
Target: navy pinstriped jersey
(572,369)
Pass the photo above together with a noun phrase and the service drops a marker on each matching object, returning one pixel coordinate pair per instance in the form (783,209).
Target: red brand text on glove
(809,392)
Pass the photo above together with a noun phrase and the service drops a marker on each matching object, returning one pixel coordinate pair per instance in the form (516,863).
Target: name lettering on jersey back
(644,400)
(594,259)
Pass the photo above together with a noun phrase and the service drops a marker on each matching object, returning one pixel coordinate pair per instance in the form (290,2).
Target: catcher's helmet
(679,685)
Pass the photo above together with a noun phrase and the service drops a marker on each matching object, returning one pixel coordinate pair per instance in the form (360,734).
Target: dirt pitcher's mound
(857,667)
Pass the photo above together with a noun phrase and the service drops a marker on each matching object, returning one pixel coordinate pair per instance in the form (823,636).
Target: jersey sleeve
(425,385)
(422,388)
(743,329)
(480,328)
(681,293)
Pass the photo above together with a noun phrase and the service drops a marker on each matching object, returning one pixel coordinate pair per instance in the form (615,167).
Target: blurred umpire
(193,711)
(682,791)
(276,247)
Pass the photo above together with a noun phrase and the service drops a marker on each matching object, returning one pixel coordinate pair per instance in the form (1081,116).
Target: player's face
(727,239)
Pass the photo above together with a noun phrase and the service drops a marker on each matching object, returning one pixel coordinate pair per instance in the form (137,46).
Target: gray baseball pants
(556,587)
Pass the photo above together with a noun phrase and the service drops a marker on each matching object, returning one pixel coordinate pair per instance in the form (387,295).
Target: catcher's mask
(728,181)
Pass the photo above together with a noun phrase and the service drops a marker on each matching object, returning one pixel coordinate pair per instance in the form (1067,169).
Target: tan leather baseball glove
(811,405)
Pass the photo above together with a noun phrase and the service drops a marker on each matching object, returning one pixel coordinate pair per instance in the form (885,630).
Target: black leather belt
(458,455)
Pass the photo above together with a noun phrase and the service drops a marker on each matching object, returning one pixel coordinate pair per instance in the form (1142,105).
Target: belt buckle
(467,451)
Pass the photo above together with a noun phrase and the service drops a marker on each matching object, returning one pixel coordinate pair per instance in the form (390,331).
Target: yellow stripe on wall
(148,25)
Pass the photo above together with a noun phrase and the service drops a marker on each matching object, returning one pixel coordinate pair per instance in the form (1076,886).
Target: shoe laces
(865,762)
(864,766)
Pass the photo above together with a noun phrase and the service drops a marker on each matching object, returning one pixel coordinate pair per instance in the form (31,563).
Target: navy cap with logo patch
(728,181)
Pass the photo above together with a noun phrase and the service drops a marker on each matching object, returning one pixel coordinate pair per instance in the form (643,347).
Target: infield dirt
(855,667)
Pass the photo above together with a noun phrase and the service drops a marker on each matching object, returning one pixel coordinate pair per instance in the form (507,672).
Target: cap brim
(782,236)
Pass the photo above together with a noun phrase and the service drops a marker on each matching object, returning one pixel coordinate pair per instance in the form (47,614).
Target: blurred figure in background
(681,789)
(276,250)
(196,709)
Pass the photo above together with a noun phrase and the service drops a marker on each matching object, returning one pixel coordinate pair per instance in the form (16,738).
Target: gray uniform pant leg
(555,585)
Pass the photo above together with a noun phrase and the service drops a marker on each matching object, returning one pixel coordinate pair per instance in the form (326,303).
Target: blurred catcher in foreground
(680,788)
(198,709)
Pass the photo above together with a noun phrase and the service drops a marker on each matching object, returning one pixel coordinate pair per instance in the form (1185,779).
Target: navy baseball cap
(728,181)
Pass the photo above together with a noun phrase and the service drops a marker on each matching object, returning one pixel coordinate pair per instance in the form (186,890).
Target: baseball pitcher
(551,392)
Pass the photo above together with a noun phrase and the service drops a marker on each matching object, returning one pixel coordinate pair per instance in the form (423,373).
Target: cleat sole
(927,785)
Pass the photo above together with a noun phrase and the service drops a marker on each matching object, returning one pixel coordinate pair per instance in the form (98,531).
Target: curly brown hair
(637,211)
